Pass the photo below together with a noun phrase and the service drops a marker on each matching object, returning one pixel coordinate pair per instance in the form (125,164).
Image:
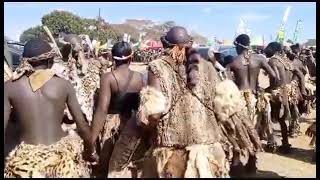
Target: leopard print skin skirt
(61,159)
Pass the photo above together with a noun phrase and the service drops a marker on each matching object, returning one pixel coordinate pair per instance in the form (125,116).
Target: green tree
(100,30)
(63,21)
(31,33)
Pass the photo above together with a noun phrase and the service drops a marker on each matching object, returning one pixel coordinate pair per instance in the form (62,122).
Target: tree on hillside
(165,27)
(63,21)
(197,38)
(57,20)
(31,33)
(169,24)
(126,28)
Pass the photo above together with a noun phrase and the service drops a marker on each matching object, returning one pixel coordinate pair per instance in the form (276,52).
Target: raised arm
(219,66)
(7,108)
(265,66)
(75,110)
(102,107)
(297,73)
(276,70)
(301,67)
(279,77)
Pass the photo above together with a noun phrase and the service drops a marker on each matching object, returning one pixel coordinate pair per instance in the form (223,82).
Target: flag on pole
(281,35)
(297,31)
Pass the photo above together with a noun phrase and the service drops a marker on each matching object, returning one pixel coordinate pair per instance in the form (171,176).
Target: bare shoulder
(8,86)
(106,77)
(297,62)
(234,61)
(259,58)
(12,85)
(236,58)
(62,83)
(273,62)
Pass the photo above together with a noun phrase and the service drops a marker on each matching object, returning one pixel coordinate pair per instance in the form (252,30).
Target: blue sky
(209,19)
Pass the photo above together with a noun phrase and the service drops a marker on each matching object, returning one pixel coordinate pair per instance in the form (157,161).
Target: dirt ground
(296,164)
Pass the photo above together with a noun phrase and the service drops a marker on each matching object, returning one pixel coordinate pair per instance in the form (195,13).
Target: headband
(239,44)
(172,44)
(123,57)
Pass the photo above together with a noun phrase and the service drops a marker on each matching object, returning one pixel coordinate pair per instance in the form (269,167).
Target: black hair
(36,47)
(193,59)
(295,47)
(243,39)
(227,60)
(121,49)
(165,43)
(65,51)
(273,48)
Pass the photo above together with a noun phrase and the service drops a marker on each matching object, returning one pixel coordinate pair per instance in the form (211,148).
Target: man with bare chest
(280,90)
(296,90)
(246,68)
(38,99)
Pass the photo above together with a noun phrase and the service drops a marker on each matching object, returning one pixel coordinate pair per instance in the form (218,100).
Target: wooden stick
(52,39)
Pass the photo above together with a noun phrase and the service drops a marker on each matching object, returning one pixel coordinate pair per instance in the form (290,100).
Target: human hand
(89,154)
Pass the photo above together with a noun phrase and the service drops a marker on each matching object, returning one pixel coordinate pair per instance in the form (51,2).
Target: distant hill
(64,21)
(152,29)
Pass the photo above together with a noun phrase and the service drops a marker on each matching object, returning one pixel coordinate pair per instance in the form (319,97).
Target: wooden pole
(52,39)
(98,25)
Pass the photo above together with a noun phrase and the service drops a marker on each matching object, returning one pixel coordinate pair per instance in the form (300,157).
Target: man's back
(246,75)
(189,120)
(40,113)
(280,70)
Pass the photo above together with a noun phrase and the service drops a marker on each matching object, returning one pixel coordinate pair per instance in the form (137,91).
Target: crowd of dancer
(87,114)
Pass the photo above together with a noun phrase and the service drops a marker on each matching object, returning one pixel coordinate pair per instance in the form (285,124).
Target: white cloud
(254,17)
(207,10)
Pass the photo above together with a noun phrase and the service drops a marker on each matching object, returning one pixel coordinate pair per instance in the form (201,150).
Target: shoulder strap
(115,80)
